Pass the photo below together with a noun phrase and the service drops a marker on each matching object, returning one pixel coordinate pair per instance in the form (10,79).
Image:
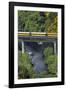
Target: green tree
(51,21)
(48,51)
(42,74)
(52,64)
(25,69)
(51,61)
(35,21)
(27,21)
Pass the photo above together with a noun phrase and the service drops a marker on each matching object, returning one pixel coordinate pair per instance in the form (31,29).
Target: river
(35,51)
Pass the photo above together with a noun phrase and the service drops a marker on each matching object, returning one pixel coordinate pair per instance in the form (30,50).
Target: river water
(35,51)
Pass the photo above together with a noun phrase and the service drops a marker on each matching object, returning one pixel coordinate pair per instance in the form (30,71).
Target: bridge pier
(22,46)
(55,47)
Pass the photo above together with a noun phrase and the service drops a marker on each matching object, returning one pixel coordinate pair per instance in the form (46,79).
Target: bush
(25,69)
(48,51)
(52,64)
(43,74)
(51,61)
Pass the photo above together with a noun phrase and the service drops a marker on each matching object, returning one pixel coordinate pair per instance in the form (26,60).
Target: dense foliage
(48,51)
(25,69)
(34,21)
(51,61)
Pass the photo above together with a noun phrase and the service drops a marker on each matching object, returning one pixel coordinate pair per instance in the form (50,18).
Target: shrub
(52,64)
(43,74)
(51,61)
(48,51)
(25,69)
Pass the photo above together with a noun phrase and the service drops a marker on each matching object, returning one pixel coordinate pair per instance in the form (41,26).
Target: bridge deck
(37,36)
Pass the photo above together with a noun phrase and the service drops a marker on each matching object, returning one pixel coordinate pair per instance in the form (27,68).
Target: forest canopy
(35,21)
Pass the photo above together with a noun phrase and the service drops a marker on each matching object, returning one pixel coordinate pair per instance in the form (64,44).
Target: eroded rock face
(36,56)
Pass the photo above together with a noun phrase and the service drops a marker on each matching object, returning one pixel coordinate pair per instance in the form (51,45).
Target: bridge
(38,37)
(37,34)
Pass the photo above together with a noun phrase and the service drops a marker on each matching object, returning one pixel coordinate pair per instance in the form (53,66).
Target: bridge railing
(37,34)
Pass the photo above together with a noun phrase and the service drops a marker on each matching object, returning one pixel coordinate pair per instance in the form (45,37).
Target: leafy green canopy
(25,69)
(51,61)
(34,21)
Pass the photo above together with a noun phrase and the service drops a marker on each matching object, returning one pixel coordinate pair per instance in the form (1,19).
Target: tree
(28,21)
(25,69)
(51,61)
(48,51)
(35,21)
(52,64)
(51,22)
